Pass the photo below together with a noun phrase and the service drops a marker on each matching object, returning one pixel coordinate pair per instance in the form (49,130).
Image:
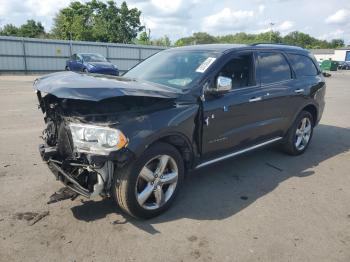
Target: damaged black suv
(133,138)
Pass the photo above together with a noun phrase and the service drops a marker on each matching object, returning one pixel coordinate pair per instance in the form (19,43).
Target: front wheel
(147,188)
(300,134)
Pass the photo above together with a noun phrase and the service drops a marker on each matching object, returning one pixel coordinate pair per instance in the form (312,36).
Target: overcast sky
(324,19)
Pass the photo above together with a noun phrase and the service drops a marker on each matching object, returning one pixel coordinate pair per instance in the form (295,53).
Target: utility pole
(70,44)
(271,30)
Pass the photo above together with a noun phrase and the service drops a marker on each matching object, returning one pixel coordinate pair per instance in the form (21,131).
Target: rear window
(273,67)
(303,65)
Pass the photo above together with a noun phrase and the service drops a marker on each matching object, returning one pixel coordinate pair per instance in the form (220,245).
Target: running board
(238,152)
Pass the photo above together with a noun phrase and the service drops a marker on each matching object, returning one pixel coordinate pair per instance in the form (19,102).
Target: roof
(344,48)
(82,53)
(328,51)
(211,47)
(229,47)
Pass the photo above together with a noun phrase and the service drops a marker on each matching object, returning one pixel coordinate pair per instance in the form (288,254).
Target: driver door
(79,63)
(235,119)
(72,62)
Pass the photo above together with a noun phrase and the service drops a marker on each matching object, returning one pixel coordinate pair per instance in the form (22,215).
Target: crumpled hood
(92,87)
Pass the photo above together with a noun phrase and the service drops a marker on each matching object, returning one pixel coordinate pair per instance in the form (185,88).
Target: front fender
(145,130)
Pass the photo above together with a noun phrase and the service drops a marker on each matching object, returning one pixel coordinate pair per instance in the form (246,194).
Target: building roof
(322,51)
(327,51)
(344,48)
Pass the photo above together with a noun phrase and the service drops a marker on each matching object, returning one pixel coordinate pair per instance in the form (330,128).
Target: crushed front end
(81,149)
(87,118)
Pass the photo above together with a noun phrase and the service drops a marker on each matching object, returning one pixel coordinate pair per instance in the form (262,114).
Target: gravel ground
(264,206)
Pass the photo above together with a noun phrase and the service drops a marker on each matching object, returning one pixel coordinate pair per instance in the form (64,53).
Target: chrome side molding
(238,152)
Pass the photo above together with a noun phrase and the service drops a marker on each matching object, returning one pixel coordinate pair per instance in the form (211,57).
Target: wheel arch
(181,143)
(312,109)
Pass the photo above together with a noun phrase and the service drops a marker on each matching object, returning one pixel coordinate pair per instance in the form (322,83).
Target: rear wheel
(300,134)
(85,70)
(67,68)
(148,187)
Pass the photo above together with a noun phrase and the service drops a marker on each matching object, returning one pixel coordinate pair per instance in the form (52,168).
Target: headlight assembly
(96,139)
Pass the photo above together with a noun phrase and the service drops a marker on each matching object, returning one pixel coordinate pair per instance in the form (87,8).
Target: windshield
(176,68)
(93,58)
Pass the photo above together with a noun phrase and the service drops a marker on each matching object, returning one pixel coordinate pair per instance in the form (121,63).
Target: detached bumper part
(90,180)
(47,152)
(71,183)
(62,194)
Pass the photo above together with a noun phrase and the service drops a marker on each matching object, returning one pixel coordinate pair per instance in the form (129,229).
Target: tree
(143,39)
(180,42)
(32,29)
(163,41)
(98,21)
(336,43)
(9,30)
(293,38)
(197,38)
(29,29)
(307,41)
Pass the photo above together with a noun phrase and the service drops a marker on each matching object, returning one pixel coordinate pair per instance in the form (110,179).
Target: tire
(295,134)
(85,71)
(67,68)
(131,188)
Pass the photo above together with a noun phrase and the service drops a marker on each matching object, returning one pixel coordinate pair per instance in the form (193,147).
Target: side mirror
(222,85)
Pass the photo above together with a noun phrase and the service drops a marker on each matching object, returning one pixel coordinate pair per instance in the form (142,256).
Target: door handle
(299,91)
(255,99)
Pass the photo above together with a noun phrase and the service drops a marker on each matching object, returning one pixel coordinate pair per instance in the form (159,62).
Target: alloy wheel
(303,134)
(156,182)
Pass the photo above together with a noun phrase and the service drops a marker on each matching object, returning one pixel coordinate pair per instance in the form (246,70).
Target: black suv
(134,137)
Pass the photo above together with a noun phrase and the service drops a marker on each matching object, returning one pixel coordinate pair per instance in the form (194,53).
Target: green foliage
(293,38)
(336,43)
(243,38)
(97,21)
(9,30)
(29,29)
(32,29)
(163,41)
(106,22)
(196,39)
(143,39)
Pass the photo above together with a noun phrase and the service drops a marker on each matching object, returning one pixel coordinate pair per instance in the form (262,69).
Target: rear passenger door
(307,81)
(276,81)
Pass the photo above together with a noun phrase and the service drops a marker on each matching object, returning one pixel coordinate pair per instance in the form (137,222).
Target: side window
(273,67)
(303,65)
(73,57)
(241,70)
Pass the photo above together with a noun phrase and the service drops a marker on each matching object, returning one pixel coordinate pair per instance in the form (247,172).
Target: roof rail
(269,43)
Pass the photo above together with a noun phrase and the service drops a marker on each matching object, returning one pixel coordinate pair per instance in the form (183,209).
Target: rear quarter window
(303,65)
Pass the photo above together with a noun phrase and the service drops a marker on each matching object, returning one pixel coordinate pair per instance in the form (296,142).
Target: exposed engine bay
(88,174)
